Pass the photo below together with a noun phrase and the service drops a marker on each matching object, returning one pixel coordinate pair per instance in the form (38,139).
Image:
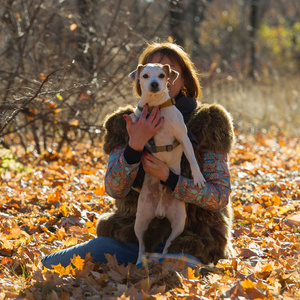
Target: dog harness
(153,148)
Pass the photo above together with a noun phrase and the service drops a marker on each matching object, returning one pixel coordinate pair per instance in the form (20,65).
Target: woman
(206,237)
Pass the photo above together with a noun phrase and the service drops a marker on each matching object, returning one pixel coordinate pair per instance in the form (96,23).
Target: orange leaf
(41,77)
(57,111)
(74,123)
(78,262)
(52,105)
(34,111)
(89,172)
(248,284)
(191,273)
(73,27)
(54,197)
(276,200)
(100,190)
(5,260)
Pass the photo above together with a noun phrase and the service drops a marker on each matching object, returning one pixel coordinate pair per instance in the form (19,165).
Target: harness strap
(154,149)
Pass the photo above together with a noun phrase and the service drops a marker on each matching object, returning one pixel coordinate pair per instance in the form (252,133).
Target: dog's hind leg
(145,211)
(141,224)
(177,219)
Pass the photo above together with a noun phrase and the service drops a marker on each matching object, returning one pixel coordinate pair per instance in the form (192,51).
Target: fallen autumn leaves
(54,202)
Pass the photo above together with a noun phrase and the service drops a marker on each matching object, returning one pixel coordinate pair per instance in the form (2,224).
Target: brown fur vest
(207,233)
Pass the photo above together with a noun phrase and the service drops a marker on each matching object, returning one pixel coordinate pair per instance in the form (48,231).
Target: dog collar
(170,102)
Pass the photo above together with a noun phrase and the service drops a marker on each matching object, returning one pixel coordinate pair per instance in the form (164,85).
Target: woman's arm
(124,161)
(121,172)
(214,196)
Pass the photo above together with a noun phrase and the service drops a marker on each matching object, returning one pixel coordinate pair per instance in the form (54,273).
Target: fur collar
(210,124)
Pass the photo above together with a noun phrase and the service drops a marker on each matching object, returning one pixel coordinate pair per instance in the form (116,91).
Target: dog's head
(153,78)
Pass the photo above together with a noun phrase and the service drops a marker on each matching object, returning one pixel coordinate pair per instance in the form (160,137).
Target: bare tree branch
(25,103)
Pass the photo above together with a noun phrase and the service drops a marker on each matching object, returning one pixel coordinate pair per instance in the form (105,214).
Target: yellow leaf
(63,270)
(59,97)
(191,273)
(89,224)
(92,230)
(78,262)
(73,27)
(63,209)
(248,284)
(267,268)
(276,200)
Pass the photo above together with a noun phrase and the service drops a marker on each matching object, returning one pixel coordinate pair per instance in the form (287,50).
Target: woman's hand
(144,129)
(155,167)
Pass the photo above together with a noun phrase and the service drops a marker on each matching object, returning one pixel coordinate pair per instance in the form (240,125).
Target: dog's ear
(134,75)
(171,74)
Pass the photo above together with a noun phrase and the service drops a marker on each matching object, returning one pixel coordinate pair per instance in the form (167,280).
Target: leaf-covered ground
(52,202)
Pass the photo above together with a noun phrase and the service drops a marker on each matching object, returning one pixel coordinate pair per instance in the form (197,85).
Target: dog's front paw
(198,178)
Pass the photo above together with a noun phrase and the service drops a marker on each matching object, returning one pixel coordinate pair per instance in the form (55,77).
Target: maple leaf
(247,284)
(54,197)
(265,199)
(100,190)
(63,270)
(78,262)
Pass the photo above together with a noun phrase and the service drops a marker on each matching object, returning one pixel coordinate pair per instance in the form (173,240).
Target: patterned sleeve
(120,175)
(215,195)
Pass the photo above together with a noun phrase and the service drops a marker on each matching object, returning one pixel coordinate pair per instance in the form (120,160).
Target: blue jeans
(97,247)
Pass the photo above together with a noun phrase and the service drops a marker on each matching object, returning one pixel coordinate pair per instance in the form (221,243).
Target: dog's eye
(145,76)
(161,75)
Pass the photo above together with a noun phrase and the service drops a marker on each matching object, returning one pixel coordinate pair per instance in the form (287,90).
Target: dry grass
(256,105)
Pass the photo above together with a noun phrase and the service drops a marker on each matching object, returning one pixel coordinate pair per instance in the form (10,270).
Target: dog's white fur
(155,200)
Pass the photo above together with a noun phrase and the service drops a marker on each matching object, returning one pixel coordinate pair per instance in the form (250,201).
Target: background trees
(64,64)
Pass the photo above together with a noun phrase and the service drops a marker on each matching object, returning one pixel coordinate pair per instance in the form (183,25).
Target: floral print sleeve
(120,174)
(215,195)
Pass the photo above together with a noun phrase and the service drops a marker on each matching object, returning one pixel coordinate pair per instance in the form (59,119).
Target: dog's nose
(154,85)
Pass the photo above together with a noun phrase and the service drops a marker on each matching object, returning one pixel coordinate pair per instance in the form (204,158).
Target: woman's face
(175,88)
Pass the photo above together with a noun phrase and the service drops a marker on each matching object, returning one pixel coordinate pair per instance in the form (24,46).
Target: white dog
(155,200)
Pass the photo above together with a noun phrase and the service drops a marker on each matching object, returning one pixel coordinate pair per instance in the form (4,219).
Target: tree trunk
(176,19)
(198,14)
(253,24)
